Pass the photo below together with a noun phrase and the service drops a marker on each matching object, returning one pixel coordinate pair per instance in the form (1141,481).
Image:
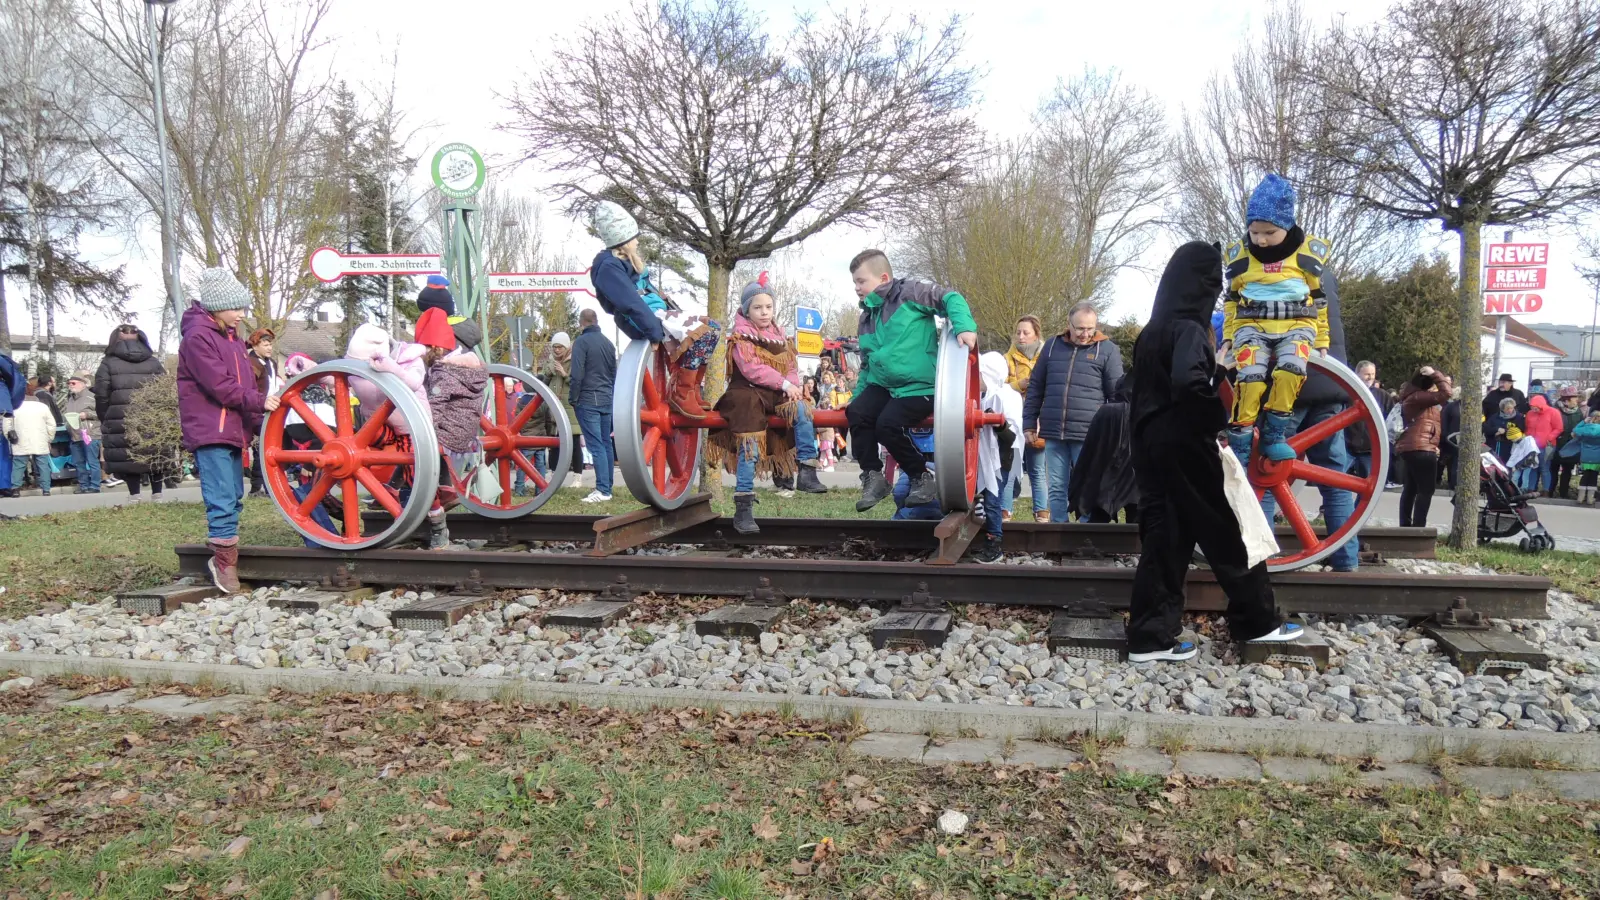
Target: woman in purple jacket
(220,408)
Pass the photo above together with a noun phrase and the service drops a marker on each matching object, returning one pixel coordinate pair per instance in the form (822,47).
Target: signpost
(808,343)
(458,171)
(329,265)
(519,327)
(1510,270)
(539,282)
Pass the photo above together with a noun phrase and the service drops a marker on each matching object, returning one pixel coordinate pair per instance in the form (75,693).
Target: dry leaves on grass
(766,829)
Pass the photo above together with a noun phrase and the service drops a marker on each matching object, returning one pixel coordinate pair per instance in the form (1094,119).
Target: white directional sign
(807,319)
(328,264)
(539,282)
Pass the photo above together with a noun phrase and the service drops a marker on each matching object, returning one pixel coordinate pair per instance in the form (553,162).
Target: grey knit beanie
(753,290)
(219,291)
(613,224)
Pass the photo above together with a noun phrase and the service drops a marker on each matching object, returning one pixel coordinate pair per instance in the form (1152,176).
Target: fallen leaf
(313,821)
(1174,866)
(823,850)
(684,843)
(800,867)
(766,829)
(178,888)
(234,887)
(237,847)
(1127,883)
(1458,880)
(133,740)
(863,804)
(1421,868)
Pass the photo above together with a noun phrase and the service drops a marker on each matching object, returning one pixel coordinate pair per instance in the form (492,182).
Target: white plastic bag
(485,482)
(1254,529)
(1395,422)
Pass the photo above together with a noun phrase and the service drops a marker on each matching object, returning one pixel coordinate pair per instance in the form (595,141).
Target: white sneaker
(108,481)
(597,497)
(136,498)
(1288,631)
(827,468)
(784,494)
(574,480)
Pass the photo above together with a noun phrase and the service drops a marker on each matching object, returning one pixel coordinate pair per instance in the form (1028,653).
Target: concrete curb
(1275,737)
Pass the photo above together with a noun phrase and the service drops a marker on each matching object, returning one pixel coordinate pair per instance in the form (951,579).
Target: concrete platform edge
(1388,743)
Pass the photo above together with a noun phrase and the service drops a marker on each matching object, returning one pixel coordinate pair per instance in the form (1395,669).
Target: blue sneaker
(1176,653)
(1288,631)
(1275,431)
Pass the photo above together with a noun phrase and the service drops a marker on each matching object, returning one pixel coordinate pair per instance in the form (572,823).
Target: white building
(1525,355)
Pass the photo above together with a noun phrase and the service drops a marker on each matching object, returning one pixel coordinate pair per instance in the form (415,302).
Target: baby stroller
(1503,510)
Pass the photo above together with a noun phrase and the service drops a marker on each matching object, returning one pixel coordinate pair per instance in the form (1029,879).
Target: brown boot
(224,565)
(1042,516)
(684,398)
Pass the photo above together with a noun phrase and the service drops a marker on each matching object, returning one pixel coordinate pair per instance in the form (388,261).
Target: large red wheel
(958,419)
(1281,479)
(506,449)
(345,458)
(659,457)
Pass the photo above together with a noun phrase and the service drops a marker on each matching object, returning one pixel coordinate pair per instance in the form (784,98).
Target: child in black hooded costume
(1176,416)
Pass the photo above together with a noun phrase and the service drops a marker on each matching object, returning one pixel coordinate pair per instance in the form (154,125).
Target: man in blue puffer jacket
(1073,376)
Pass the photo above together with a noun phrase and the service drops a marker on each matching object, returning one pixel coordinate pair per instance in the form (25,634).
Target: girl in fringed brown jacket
(763,381)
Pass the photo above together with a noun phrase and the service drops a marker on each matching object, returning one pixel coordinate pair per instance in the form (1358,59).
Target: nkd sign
(1511,304)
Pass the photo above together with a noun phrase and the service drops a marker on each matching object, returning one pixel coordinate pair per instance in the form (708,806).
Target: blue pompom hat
(1272,201)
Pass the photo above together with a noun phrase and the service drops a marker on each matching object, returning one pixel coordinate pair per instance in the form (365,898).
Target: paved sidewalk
(1486,780)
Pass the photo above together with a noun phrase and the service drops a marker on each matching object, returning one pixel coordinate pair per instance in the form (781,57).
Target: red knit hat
(433,329)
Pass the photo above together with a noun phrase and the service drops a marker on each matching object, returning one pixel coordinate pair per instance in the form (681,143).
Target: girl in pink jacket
(763,381)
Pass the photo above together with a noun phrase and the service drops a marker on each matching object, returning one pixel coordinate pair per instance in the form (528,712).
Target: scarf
(770,344)
(1031,351)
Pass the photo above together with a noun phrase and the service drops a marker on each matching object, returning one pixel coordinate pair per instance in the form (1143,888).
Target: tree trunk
(715,383)
(1464,524)
(5,320)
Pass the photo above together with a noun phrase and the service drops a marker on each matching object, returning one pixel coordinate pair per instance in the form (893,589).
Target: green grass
(494,801)
(1576,573)
(83,556)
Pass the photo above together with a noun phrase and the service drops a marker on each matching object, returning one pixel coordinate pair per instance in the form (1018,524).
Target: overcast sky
(456,57)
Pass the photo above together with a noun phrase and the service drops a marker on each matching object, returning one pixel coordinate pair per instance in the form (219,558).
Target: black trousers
(877,418)
(1416,493)
(1563,467)
(1449,459)
(1181,503)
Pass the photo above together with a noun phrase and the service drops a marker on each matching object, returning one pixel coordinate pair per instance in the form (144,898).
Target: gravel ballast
(1382,671)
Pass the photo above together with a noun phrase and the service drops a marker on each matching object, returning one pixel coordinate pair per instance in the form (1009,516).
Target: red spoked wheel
(658,452)
(958,420)
(507,451)
(318,481)
(1281,479)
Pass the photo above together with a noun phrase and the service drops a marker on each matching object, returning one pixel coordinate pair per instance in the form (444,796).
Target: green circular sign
(458,171)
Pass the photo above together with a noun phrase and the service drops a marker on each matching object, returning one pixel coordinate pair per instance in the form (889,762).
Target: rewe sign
(1529,279)
(1518,255)
(1511,304)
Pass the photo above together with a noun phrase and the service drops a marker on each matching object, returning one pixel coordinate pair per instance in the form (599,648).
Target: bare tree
(1261,115)
(737,144)
(1050,221)
(1472,113)
(49,187)
(244,95)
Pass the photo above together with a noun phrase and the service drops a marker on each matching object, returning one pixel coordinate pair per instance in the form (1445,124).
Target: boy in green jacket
(899,343)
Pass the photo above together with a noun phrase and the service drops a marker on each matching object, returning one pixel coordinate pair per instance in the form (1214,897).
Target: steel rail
(892,535)
(1355,593)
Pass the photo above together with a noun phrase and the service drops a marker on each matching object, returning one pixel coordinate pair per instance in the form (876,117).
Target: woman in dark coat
(1176,416)
(1102,481)
(127,365)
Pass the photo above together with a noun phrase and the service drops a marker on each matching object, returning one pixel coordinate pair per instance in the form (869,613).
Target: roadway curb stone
(1387,743)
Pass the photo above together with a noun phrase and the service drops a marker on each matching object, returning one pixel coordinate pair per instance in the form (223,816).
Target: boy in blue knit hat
(1274,316)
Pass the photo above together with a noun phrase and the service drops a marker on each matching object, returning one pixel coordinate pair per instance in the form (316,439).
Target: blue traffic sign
(807,319)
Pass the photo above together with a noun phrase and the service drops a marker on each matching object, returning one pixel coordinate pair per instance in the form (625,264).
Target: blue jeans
(41,468)
(1337,504)
(537,458)
(221,470)
(991,513)
(1060,457)
(319,514)
(86,459)
(805,450)
(930,511)
(595,422)
(5,461)
(1526,478)
(1547,472)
